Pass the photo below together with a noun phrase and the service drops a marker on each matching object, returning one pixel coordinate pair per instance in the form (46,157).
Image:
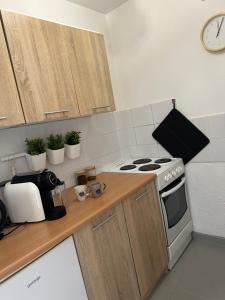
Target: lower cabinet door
(54,276)
(147,237)
(106,260)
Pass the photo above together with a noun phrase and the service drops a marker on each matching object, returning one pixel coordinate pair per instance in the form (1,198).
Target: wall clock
(213,33)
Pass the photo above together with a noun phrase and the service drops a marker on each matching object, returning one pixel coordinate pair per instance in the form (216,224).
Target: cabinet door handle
(56,112)
(3,118)
(98,107)
(141,196)
(96,227)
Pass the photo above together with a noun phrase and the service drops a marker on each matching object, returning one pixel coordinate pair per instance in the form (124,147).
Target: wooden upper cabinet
(39,52)
(10,107)
(92,80)
(105,257)
(147,238)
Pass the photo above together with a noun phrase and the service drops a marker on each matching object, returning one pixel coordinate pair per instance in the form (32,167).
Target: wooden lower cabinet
(147,237)
(123,253)
(106,260)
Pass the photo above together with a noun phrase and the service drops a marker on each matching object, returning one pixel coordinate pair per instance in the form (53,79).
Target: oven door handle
(168,193)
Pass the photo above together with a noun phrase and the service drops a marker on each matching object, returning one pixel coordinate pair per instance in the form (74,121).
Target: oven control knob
(166,178)
(170,176)
(174,173)
(180,169)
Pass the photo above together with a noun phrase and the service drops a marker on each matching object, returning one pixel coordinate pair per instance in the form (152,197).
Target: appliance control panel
(173,174)
(170,174)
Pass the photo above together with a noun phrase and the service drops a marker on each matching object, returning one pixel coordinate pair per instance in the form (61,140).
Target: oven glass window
(176,206)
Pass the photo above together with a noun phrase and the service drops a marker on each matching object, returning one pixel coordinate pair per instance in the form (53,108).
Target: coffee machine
(29,197)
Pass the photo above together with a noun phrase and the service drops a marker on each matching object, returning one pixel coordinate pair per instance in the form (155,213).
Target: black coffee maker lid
(44,180)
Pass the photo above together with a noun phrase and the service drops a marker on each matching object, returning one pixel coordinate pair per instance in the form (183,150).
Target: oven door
(176,210)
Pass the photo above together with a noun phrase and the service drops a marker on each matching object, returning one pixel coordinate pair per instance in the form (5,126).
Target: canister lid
(90,168)
(80,172)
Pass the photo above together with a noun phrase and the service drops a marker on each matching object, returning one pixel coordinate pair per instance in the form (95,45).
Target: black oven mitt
(180,137)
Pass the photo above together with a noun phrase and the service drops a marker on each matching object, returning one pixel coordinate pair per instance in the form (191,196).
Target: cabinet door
(93,83)
(55,275)
(147,237)
(39,51)
(10,107)
(105,257)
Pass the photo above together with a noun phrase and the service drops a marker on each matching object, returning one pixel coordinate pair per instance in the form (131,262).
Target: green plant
(72,138)
(55,142)
(35,146)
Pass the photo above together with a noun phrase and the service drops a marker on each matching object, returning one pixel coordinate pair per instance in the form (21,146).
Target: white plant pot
(55,157)
(36,162)
(72,151)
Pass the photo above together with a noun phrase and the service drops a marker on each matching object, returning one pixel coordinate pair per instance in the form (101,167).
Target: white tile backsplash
(110,143)
(144,135)
(122,135)
(123,119)
(160,110)
(218,150)
(217,126)
(162,152)
(142,116)
(203,124)
(131,136)
(144,151)
(103,123)
(98,140)
(112,137)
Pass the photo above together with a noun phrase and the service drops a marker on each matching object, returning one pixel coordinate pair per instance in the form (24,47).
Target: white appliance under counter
(55,275)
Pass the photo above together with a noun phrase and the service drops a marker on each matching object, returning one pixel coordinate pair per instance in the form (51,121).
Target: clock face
(213,33)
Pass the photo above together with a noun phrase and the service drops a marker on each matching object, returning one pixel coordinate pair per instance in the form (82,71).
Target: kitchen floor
(198,275)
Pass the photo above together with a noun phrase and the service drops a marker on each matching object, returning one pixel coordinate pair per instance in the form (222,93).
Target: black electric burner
(128,167)
(142,161)
(163,160)
(150,167)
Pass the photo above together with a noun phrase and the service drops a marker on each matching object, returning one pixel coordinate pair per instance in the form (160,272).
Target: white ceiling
(103,6)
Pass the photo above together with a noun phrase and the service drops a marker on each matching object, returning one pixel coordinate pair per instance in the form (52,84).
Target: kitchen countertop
(32,240)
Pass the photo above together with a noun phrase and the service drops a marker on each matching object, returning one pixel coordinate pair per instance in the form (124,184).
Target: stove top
(166,169)
(163,160)
(142,161)
(150,167)
(144,165)
(128,167)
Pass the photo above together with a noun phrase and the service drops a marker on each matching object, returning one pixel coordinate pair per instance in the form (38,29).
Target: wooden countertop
(32,240)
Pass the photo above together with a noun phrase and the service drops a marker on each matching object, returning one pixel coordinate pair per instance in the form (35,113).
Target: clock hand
(218,25)
(218,33)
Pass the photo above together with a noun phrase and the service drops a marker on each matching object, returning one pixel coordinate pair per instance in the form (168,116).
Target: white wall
(60,11)
(156,54)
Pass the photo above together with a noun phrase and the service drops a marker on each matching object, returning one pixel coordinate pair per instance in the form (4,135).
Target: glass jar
(81,177)
(91,172)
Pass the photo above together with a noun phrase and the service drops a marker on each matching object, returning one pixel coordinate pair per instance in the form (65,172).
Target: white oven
(173,198)
(177,218)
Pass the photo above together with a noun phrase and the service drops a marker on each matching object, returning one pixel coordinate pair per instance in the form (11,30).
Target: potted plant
(36,154)
(72,144)
(55,150)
